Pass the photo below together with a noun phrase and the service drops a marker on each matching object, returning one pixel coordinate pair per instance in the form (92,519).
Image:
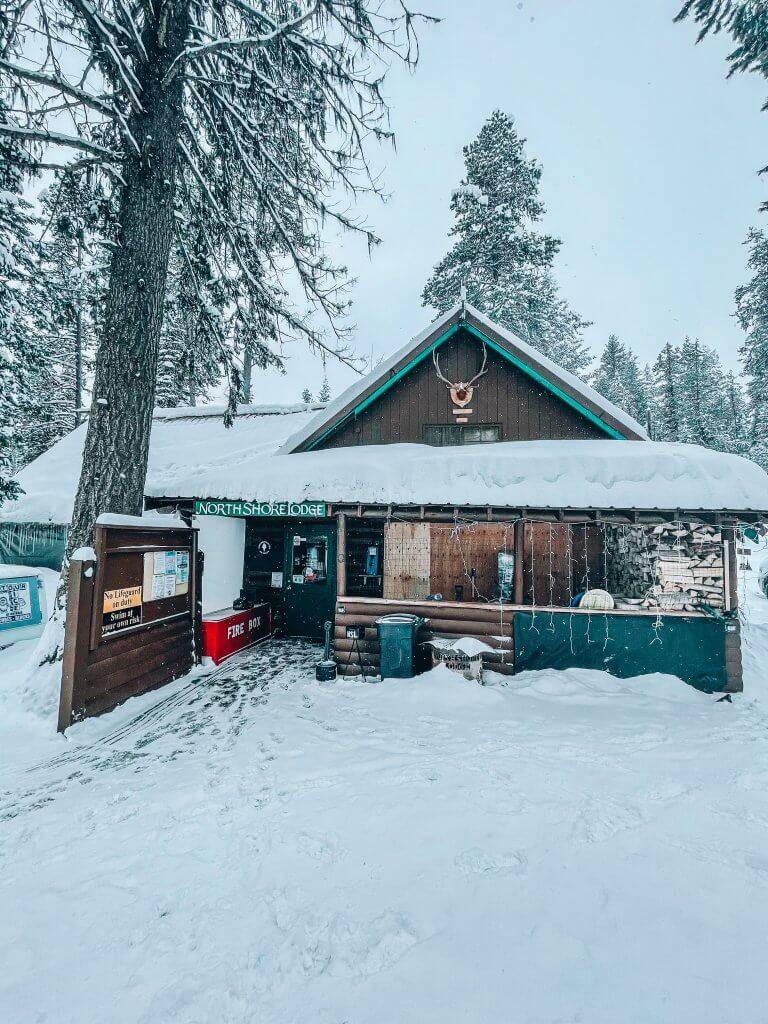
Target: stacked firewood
(689,561)
(673,566)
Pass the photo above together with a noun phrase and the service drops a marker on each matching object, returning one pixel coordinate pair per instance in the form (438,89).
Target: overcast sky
(649,155)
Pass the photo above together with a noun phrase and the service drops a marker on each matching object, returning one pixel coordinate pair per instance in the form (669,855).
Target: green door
(310,578)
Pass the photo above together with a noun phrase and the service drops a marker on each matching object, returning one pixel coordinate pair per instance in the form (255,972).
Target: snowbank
(151,518)
(570,849)
(196,412)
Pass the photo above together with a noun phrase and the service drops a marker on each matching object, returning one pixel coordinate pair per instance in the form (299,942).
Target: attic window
(441,434)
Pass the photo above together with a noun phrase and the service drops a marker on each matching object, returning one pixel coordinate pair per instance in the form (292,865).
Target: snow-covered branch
(58,139)
(59,84)
(245,43)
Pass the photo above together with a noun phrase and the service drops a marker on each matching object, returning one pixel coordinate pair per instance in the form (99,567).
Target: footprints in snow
(479,862)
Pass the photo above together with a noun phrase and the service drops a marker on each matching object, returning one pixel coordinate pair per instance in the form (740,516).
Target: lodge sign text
(298,509)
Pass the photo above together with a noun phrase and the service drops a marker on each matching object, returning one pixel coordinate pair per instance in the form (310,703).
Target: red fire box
(225,632)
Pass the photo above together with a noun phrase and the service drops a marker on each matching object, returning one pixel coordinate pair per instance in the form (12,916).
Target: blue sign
(20,605)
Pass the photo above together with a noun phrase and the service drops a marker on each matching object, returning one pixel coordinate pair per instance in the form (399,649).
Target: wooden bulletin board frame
(102,668)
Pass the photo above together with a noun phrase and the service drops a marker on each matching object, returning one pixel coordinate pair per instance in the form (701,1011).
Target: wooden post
(518,595)
(196,578)
(733,662)
(341,557)
(730,569)
(76,637)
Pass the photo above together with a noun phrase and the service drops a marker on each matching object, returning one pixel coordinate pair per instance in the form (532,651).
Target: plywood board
(406,561)
(467,556)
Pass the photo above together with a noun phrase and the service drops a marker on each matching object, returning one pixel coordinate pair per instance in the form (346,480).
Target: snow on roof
(182,440)
(196,456)
(385,368)
(536,474)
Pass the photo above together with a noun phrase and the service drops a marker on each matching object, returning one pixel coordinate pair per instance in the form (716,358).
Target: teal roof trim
(528,370)
(553,388)
(405,370)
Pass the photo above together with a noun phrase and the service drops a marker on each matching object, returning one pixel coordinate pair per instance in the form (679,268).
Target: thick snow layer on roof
(198,457)
(383,369)
(536,474)
(183,441)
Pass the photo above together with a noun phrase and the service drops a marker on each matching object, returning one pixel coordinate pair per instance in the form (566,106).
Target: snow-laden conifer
(619,379)
(752,313)
(262,111)
(666,372)
(71,256)
(20,348)
(498,256)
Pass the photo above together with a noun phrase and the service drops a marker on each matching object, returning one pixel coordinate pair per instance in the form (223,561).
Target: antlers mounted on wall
(461,391)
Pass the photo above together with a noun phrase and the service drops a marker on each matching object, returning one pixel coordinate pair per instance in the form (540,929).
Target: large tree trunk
(117,443)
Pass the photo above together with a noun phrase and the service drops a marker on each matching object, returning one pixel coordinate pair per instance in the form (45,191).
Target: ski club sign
(261,509)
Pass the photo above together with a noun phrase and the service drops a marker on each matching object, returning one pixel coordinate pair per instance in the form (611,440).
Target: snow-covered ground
(255,846)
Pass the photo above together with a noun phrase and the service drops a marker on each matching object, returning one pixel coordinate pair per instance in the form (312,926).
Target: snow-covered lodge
(467,479)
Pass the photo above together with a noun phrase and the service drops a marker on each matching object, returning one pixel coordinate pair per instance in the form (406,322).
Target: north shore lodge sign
(264,509)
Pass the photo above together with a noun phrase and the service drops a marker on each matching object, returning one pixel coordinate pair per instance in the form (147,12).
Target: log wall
(490,623)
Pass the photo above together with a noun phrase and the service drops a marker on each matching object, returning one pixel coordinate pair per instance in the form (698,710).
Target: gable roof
(566,386)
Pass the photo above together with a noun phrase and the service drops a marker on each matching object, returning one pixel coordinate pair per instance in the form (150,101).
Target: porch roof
(518,474)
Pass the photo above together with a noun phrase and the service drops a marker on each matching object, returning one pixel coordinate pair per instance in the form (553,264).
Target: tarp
(32,544)
(624,645)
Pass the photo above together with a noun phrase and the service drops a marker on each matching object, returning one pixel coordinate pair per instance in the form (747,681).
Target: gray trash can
(397,640)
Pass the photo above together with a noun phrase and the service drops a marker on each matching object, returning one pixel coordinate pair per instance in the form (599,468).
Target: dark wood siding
(524,410)
(561,560)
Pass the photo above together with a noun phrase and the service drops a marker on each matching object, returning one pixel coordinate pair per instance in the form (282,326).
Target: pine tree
(733,416)
(701,385)
(618,378)
(259,110)
(306,396)
(252,331)
(324,394)
(666,371)
(20,348)
(498,256)
(190,358)
(752,314)
(691,399)
(650,394)
(70,285)
(746,21)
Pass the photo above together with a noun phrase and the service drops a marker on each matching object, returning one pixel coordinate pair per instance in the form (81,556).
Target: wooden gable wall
(507,396)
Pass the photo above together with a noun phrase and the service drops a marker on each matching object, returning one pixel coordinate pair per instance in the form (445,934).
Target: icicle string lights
(551,581)
(530,532)
(569,564)
(605,581)
(642,539)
